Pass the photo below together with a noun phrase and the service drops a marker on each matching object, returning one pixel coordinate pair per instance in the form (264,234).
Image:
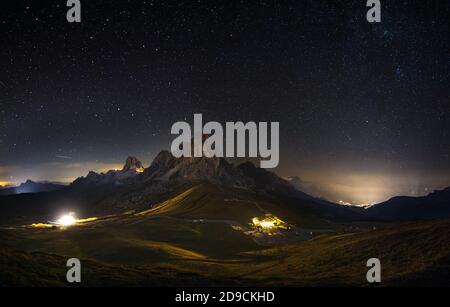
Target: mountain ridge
(434,205)
(137,188)
(30,186)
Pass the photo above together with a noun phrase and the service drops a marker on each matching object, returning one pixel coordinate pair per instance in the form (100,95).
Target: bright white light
(67,220)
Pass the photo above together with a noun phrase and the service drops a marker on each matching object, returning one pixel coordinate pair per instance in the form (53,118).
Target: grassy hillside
(190,200)
(139,240)
(200,254)
(414,253)
(208,201)
(165,244)
(25,269)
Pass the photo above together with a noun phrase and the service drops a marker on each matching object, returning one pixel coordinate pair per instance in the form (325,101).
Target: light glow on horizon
(4,183)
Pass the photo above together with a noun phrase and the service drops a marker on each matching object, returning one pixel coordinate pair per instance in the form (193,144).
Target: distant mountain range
(137,188)
(31,187)
(131,168)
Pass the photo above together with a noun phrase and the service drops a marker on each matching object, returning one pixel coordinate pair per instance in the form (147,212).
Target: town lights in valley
(269,222)
(264,224)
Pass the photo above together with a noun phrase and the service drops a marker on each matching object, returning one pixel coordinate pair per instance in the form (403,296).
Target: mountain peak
(247,165)
(164,158)
(29,181)
(165,166)
(133,164)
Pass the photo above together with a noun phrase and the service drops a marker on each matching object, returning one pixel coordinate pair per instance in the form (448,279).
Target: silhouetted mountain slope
(264,180)
(434,205)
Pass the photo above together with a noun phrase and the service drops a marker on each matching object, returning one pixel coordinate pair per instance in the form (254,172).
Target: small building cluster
(269,223)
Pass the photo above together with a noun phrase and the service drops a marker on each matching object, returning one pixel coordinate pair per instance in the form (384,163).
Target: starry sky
(363,108)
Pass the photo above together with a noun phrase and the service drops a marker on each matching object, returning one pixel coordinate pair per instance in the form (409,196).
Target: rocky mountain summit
(216,170)
(133,164)
(131,168)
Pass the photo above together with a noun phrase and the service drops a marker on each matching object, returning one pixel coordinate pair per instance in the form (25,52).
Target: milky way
(358,104)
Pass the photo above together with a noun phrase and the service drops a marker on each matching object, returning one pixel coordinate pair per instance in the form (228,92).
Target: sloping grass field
(167,245)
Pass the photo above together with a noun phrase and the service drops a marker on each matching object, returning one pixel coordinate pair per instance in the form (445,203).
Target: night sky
(363,108)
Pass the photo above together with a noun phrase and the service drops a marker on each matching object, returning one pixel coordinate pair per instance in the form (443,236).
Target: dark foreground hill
(143,251)
(403,208)
(186,221)
(166,230)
